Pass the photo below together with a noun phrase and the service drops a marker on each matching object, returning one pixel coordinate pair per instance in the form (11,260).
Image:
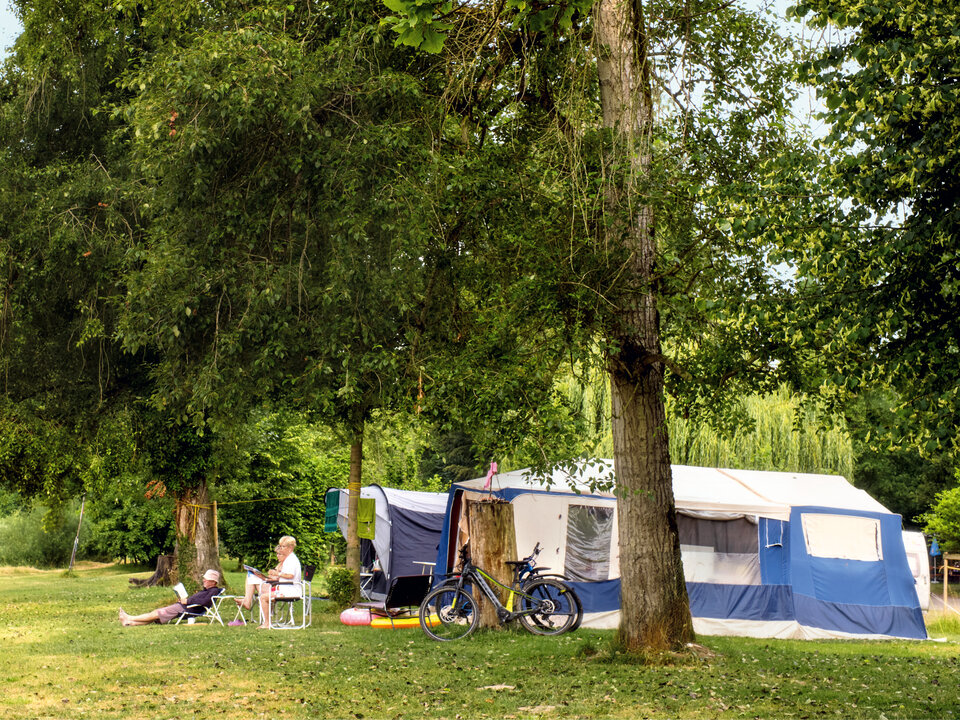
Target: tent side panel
(774,536)
(446,553)
(869,597)
(741,602)
(887,621)
(416,537)
(597,597)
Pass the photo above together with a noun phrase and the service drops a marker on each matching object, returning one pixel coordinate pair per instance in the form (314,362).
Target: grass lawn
(64,655)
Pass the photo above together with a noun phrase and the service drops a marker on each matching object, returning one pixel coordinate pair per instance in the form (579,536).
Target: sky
(9,27)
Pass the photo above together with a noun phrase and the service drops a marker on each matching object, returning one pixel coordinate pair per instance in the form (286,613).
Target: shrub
(133,527)
(38,537)
(340,586)
(276,487)
(943,521)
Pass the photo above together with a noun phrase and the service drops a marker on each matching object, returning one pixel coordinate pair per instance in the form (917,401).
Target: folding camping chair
(403,599)
(283,615)
(202,612)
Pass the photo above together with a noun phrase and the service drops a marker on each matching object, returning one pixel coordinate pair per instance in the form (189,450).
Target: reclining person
(202,598)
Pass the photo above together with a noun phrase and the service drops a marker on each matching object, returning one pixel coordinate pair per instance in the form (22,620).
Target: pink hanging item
(490,473)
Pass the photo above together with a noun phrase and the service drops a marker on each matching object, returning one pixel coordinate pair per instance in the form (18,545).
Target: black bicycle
(543,606)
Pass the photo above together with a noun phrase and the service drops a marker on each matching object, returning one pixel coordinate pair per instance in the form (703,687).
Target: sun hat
(212,575)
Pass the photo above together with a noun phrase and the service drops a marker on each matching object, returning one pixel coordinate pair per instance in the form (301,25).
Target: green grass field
(64,655)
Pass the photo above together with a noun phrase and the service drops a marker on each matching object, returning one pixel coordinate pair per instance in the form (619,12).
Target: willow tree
(654,119)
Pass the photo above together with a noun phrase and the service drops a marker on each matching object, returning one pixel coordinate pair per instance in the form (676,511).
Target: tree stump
(161,575)
(493,541)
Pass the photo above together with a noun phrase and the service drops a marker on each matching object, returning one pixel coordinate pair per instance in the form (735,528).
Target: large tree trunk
(655,612)
(353,507)
(493,540)
(197,547)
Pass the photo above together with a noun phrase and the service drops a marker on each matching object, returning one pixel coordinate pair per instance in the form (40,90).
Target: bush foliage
(943,521)
(39,537)
(277,489)
(340,586)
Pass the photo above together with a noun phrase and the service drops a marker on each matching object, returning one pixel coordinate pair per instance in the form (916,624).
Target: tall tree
(657,613)
(292,251)
(59,369)
(655,151)
(67,220)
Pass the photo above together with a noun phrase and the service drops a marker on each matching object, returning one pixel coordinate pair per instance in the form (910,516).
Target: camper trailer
(765,554)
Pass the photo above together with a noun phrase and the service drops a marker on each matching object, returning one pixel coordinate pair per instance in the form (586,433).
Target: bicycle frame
(543,607)
(482,580)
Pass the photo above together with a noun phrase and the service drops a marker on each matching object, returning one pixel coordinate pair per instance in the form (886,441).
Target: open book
(181,592)
(253,571)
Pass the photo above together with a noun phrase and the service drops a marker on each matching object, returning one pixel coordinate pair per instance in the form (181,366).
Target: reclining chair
(202,612)
(403,599)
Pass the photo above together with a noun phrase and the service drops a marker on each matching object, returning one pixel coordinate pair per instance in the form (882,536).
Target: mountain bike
(528,572)
(543,606)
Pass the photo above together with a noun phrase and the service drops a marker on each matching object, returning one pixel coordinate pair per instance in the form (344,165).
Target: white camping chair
(211,614)
(283,610)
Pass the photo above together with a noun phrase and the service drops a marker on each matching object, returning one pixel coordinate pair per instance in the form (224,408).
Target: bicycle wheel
(549,607)
(556,577)
(448,614)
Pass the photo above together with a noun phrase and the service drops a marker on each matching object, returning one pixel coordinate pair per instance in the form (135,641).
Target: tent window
(842,536)
(719,551)
(589,534)
(914,561)
(724,536)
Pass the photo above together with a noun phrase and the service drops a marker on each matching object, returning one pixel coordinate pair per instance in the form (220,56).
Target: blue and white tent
(765,554)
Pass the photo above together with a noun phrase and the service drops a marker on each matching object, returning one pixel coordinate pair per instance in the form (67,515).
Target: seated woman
(203,598)
(281,581)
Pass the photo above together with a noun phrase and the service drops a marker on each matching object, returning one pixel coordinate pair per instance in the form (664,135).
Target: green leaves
(419,24)
(892,98)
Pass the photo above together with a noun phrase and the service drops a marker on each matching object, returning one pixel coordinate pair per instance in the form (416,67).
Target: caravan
(765,554)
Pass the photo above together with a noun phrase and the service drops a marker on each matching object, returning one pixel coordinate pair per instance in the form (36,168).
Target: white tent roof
(807,489)
(708,490)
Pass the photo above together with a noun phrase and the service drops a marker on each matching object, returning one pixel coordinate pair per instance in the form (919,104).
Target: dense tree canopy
(943,520)
(210,207)
(881,262)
